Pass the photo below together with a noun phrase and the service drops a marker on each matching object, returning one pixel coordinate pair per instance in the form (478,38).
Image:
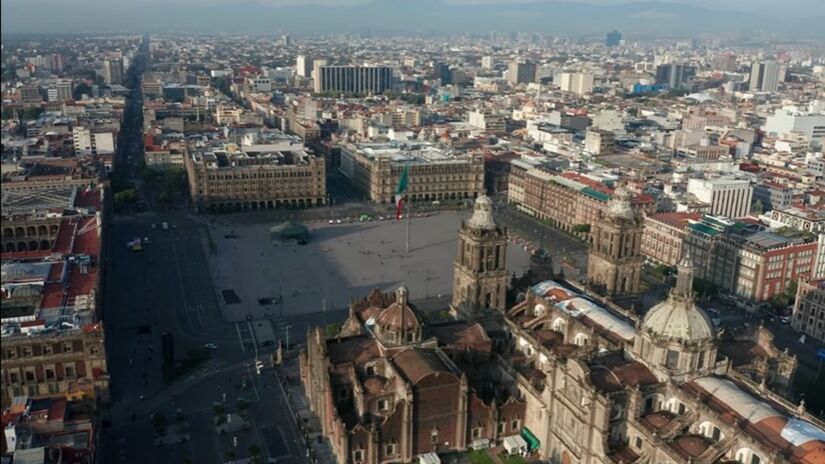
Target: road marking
(240,338)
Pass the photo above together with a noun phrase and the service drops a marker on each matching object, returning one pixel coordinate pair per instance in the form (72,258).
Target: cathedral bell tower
(480,270)
(614,266)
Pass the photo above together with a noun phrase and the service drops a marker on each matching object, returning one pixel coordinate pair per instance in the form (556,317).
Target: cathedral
(575,377)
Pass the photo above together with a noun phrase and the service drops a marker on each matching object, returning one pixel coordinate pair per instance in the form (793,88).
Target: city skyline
(383,17)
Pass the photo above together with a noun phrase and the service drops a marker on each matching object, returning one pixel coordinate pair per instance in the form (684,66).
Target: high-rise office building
(443,72)
(520,72)
(113,71)
(766,76)
(725,196)
(578,83)
(303,66)
(725,62)
(285,40)
(56,63)
(353,79)
(674,75)
(613,38)
(487,62)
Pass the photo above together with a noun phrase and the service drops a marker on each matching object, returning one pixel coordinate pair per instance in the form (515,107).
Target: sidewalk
(309,426)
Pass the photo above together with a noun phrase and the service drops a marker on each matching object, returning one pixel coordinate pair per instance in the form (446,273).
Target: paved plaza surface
(340,262)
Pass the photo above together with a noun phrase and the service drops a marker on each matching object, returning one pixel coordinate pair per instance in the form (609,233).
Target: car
(210,346)
(337,221)
(785,319)
(145,239)
(331,221)
(154,226)
(142,397)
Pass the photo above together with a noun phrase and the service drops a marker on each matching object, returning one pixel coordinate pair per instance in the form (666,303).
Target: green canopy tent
(289,231)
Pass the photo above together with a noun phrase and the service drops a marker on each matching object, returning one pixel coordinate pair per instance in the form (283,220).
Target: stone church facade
(587,383)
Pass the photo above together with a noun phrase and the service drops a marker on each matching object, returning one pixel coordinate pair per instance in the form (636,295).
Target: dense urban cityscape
(375,248)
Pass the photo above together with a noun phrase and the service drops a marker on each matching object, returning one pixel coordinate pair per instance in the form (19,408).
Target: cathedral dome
(399,316)
(482,214)
(678,318)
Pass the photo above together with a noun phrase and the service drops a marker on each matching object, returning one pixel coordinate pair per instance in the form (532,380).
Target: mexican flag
(400,191)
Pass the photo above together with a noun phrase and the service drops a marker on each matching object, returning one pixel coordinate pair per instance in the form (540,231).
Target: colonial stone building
(392,386)
(434,174)
(582,381)
(614,267)
(279,174)
(603,387)
(480,269)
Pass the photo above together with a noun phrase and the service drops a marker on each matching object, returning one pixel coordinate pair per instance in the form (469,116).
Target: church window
(389,449)
(638,442)
(500,427)
(434,436)
(701,362)
(672,360)
(370,370)
(383,405)
(514,425)
(358,455)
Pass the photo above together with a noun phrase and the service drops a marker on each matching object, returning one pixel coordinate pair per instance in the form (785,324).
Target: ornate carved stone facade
(480,270)
(582,381)
(393,386)
(615,264)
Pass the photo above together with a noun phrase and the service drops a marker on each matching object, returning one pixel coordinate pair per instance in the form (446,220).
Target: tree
(125,198)
(331,330)
(159,423)
(581,229)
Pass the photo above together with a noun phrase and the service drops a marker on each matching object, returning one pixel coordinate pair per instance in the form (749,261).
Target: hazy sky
(136,15)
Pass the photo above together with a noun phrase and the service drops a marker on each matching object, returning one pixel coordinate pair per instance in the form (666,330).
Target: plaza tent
(429,458)
(515,444)
(289,231)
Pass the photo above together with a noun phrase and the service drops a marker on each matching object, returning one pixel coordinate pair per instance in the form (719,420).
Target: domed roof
(482,214)
(399,315)
(680,320)
(678,317)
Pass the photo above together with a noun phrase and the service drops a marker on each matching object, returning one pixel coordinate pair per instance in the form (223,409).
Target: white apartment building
(88,142)
(487,121)
(726,196)
(303,66)
(809,123)
(578,83)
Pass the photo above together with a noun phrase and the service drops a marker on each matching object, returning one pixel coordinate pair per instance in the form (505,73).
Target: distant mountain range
(381,17)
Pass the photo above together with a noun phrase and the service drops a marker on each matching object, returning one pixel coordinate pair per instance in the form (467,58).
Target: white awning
(514,443)
(429,458)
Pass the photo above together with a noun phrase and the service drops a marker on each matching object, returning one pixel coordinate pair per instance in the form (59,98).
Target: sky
(131,15)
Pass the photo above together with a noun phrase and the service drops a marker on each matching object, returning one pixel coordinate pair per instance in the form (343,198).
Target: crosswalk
(211,367)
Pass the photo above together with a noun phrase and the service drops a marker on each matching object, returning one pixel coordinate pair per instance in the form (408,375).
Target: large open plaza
(339,262)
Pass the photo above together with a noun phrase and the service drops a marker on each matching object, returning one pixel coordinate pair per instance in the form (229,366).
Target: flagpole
(408,223)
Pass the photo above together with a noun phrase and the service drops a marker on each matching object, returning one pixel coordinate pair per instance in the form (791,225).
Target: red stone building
(393,387)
